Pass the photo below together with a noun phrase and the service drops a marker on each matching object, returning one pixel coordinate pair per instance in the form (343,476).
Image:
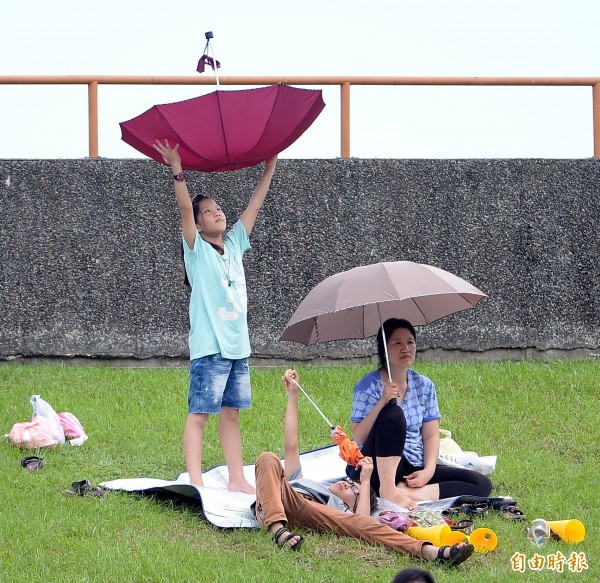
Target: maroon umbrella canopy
(227,130)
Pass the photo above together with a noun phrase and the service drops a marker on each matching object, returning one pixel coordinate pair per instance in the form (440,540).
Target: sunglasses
(353,486)
(354,489)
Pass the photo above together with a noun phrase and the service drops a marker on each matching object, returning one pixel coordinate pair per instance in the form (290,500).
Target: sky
(467,38)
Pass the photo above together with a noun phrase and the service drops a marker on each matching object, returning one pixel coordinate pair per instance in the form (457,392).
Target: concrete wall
(90,263)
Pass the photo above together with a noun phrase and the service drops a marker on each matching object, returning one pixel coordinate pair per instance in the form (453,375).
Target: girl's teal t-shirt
(218,301)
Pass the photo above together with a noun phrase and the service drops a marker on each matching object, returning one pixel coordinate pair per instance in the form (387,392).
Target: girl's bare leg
(192,446)
(231,442)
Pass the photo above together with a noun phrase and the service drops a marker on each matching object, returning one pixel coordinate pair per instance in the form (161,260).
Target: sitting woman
(398,425)
(285,500)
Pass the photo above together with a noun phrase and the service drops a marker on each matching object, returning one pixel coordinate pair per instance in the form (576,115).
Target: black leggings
(387,438)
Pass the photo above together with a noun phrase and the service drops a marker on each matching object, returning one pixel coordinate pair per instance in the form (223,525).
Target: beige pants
(277,501)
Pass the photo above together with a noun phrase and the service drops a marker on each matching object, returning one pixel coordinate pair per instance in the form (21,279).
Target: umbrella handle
(209,49)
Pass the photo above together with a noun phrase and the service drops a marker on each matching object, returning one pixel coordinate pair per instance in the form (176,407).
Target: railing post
(596,109)
(345,115)
(93,118)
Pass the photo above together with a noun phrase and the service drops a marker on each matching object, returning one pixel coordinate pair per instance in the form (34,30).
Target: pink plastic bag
(47,428)
(72,428)
(33,434)
(396,520)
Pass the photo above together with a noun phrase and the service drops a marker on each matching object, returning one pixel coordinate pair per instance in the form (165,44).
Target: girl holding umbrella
(219,340)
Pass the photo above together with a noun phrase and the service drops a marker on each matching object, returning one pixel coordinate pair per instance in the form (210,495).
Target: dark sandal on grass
(78,488)
(469,509)
(464,526)
(32,463)
(509,510)
(457,555)
(283,543)
(474,509)
(84,488)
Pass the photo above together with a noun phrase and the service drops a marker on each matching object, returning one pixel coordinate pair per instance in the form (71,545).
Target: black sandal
(478,509)
(508,509)
(84,488)
(295,547)
(457,555)
(32,463)
(78,488)
(464,526)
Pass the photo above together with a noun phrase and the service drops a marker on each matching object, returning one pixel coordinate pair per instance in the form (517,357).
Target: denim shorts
(217,382)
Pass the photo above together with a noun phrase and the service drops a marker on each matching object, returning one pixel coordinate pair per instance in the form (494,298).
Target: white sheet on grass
(232,509)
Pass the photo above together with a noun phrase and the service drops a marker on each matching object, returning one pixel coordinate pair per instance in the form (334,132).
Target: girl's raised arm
(184,203)
(248,217)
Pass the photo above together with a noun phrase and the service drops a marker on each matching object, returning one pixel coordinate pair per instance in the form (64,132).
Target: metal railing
(345,83)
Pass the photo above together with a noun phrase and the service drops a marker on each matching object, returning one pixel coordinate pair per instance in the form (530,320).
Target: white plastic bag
(451,454)
(44,410)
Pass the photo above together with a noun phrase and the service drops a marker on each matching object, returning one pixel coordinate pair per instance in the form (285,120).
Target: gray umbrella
(354,303)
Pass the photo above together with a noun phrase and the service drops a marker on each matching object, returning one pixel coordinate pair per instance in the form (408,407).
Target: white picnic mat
(232,509)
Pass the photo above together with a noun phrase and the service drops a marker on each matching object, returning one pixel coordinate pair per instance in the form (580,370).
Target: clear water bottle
(539,533)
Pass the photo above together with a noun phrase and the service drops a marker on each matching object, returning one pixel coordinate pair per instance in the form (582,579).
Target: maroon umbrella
(227,130)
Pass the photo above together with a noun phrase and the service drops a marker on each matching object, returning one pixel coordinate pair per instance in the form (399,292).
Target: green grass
(540,419)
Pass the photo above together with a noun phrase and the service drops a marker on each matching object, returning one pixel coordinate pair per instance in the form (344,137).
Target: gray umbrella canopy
(354,303)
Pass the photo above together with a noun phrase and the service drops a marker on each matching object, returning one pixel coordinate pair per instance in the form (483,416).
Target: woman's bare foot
(241,486)
(430,552)
(427,492)
(396,496)
(196,480)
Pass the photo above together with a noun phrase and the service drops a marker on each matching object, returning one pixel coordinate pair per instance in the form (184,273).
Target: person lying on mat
(403,437)
(285,500)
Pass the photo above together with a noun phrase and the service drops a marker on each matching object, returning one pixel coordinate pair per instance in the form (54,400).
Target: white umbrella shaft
(387,358)
(314,405)
(393,400)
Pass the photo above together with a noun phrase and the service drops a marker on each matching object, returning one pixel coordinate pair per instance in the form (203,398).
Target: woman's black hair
(196,208)
(373,501)
(389,326)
